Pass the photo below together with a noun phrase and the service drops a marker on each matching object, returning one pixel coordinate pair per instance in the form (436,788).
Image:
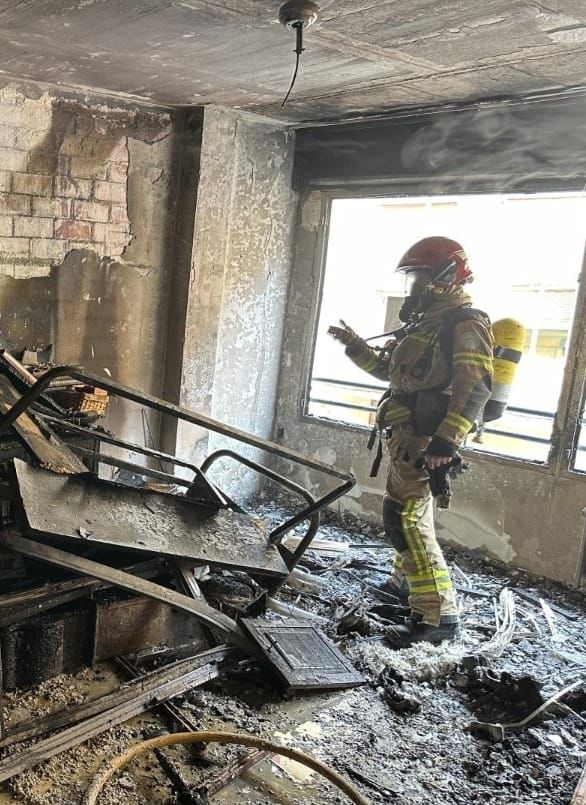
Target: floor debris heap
(140,610)
(58,510)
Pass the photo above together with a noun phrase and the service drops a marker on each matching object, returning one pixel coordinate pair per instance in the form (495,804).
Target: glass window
(526,253)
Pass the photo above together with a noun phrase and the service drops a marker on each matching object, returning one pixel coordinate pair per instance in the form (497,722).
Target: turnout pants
(408,522)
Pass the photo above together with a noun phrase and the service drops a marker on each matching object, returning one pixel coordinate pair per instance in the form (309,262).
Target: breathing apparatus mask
(418,294)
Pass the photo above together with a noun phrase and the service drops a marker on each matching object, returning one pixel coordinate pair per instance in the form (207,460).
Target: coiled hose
(91,795)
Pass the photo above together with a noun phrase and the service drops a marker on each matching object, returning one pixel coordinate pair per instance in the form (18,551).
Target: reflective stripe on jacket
(417,362)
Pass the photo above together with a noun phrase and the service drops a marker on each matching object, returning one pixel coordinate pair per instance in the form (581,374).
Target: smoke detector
(298,13)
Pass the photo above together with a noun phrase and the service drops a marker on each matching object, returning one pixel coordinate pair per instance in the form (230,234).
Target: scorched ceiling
(363,57)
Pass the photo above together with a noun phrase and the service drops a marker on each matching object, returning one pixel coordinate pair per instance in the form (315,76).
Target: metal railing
(548,416)
(344,480)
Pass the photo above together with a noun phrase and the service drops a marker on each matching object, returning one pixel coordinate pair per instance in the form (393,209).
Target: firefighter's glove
(344,334)
(439,453)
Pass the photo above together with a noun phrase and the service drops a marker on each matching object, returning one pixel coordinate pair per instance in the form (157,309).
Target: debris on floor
(146,605)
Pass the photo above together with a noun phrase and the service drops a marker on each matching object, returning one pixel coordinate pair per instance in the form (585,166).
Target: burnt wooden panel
(129,625)
(94,510)
(44,647)
(126,626)
(200,609)
(302,655)
(41,442)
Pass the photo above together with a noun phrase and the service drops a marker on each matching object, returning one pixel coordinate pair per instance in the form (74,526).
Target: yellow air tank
(509,340)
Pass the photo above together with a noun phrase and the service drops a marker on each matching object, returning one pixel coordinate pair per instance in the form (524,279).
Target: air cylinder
(509,340)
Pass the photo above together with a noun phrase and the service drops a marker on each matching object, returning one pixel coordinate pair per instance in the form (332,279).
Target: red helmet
(445,258)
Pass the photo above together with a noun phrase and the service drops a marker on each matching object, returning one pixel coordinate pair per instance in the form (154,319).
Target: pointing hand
(344,333)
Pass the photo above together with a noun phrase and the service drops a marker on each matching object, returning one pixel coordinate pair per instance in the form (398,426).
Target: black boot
(415,631)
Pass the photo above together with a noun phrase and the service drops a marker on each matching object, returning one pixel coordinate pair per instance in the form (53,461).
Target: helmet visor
(417,280)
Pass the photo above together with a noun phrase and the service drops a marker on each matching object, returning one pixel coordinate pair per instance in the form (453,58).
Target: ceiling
(363,57)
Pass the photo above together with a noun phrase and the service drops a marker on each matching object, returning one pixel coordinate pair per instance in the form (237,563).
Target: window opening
(526,252)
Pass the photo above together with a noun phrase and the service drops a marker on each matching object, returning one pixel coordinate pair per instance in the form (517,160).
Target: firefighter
(439,370)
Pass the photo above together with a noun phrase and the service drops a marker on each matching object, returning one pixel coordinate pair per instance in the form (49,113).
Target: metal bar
(513,409)
(104,436)
(135,468)
(350,383)
(368,408)
(16,371)
(319,504)
(291,561)
(367,387)
(201,610)
(260,468)
(17,367)
(511,434)
(142,398)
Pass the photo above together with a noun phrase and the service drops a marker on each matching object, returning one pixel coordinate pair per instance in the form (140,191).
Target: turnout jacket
(419,361)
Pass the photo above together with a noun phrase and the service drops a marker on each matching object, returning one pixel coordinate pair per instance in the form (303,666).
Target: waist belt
(428,408)
(391,395)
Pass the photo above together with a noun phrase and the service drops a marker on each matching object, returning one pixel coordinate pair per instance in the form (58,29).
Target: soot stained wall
(87,218)
(531,516)
(237,288)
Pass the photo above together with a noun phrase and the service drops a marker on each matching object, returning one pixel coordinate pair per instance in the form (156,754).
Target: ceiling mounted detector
(297,15)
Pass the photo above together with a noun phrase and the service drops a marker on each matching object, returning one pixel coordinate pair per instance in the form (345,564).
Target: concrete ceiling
(363,57)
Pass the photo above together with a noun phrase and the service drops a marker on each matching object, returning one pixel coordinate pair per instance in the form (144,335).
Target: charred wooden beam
(38,438)
(204,612)
(16,607)
(184,791)
(229,773)
(177,720)
(142,684)
(143,699)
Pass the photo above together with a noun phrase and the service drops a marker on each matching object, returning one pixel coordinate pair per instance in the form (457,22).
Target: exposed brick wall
(63,182)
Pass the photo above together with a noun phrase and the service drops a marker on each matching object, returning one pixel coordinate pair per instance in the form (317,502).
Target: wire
(293,79)
(298,26)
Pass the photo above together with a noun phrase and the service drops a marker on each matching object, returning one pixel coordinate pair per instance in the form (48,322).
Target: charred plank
(131,691)
(201,610)
(44,445)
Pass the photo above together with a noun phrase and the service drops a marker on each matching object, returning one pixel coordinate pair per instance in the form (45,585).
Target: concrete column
(239,277)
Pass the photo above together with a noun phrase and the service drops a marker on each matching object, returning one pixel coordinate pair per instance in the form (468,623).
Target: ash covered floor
(404,736)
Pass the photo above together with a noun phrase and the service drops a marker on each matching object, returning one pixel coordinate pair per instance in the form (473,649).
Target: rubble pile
(149,604)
